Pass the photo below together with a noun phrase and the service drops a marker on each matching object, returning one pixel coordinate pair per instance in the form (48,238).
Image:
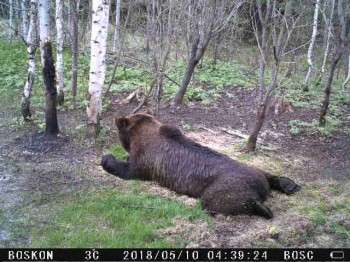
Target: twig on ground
(146,207)
(209,130)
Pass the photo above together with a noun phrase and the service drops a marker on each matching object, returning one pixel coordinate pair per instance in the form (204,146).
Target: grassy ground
(108,217)
(67,200)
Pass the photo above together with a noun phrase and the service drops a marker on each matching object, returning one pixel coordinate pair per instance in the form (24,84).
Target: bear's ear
(121,122)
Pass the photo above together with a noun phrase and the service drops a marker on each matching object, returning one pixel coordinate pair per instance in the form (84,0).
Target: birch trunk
(326,49)
(60,39)
(348,76)
(31,49)
(48,68)
(11,19)
(311,48)
(100,14)
(74,36)
(24,18)
(117,26)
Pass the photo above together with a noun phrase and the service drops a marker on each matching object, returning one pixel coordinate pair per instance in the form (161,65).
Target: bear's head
(135,124)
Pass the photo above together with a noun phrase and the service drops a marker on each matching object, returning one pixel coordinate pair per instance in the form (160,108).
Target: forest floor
(41,177)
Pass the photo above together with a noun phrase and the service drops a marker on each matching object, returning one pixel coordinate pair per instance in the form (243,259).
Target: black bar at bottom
(117,254)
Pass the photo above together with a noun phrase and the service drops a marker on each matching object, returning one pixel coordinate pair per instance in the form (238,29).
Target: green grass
(110,218)
(118,152)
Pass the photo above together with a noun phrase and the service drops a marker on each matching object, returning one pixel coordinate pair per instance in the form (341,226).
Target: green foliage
(313,128)
(336,191)
(209,80)
(129,79)
(294,131)
(110,218)
(118,152)
(225,74)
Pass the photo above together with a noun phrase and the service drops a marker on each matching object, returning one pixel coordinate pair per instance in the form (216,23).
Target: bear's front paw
(105,159)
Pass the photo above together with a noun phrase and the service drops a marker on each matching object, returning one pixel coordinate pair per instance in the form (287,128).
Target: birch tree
(48,68)
(24,13)
(100,14)
(327,38)
(117,26)
(11,19)
(31,50)
(311,48)
(59,40)
(74,37)
(348,75)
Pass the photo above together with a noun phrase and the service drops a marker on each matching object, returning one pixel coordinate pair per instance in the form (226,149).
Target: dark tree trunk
(74,17)
(2,12)
(216,49)
(196,55)
(260,119)
(51,92)
(215,54)
(291,66)
(190,69)
(328,89)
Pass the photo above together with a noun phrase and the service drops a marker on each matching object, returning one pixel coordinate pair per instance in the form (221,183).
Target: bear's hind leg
(234,205)
(283,184)
(258,208)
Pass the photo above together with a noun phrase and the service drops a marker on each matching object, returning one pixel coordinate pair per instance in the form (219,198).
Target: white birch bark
(69,26)
(44,22)
(348,76)
(31,48)
(11,19)
(117,26)
(311,47)
(74,40)
(24,13)
(329,28)
(59,40)
(100,14)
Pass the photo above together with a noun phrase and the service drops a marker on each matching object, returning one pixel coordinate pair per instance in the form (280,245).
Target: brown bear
(163,154)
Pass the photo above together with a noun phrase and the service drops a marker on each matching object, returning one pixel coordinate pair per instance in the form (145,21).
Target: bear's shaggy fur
(163,154)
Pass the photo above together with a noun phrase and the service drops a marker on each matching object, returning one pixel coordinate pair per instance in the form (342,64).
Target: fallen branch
(144,102)
(243,136)
(129,98)
(234,133)
(146,207)
(172,80)
(209,130)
